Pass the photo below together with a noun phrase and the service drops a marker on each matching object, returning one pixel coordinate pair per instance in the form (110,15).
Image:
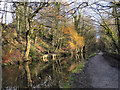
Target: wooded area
(62,29)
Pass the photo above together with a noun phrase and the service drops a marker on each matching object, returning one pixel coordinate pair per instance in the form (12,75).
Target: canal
(39,74)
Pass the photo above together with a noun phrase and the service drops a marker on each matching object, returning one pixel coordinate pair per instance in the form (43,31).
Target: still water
(38,74)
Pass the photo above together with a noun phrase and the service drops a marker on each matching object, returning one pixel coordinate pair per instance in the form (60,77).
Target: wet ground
(98,73)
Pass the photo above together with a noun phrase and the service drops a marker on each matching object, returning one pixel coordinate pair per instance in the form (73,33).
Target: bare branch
(6,11)
(37,10)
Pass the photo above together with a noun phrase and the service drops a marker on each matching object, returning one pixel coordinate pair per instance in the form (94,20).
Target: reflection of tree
(21,77)
(57,67)
(36,68)
(27,73)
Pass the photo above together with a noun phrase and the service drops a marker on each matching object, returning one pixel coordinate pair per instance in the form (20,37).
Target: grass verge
(92,55)
(78,69)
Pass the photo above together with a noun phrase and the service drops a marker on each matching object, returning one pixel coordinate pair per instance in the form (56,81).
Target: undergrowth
(78,69)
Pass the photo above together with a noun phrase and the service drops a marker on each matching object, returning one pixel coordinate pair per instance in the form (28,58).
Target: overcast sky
(9,15)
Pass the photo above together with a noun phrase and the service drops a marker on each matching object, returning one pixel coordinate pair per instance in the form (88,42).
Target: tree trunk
(118,29)
(117,22)
(1,52)
(28,76)
(18,25)
(81,53)
(84,52)
(35,40)
(5,8)
(27,48)
(28,41)
(17,21)
(28,33)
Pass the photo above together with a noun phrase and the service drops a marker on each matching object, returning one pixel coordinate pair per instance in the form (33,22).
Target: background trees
(109,26)
(49,27)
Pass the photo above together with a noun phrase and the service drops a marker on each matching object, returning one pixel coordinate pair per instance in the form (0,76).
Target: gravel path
(98,73)
(101,73)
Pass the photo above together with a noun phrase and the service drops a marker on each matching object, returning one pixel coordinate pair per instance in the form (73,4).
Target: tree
(116,10)
(76,41)
(28,27)
(108,11)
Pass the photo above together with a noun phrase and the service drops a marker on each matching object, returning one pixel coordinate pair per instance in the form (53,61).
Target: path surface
(98,73)
(102,74)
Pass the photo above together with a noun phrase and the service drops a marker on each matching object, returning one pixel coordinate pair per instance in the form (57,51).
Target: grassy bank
(79,67)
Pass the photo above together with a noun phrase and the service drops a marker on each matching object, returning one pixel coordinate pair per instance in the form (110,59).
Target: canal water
(38,74)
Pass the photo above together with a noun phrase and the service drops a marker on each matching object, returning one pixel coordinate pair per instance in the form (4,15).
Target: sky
(9,15)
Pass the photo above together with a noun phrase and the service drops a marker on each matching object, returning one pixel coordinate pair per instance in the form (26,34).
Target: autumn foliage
(75,39)
(13,56)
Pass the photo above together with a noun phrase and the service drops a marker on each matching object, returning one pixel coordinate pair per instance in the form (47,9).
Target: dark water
(37,74)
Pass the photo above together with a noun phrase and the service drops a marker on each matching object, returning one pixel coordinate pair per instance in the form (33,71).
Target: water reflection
(27,74)
(77,57)
(12,76)
(39,74)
